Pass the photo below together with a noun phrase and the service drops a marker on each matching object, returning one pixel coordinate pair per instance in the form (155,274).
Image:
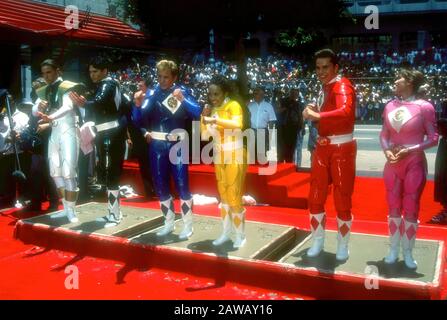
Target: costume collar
(59,79)
(337,78)
(409,99)
(226,100)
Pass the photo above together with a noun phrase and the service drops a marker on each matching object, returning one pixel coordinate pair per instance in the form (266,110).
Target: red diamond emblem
(344,229)
(314,223)
(393,228)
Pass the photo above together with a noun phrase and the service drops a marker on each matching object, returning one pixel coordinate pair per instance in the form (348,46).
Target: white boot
(70,198)
(113,207)
(344,233)
(186,206)
(226,224)
(62,213)
(239,227)
(167,207)
(71,212)
(317,224)
(394,224)
(408,240)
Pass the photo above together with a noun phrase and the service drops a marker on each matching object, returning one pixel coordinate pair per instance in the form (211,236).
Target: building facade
(403,25)
(111,8)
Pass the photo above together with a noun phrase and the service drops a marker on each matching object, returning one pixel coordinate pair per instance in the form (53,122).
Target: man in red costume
(334,157)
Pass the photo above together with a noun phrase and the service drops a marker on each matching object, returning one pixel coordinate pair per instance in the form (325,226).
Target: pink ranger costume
(405,123)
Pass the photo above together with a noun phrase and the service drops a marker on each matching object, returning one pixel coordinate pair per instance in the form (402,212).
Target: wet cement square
(366,255)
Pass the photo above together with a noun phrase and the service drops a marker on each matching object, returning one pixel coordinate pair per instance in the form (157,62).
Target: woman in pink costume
(406,121)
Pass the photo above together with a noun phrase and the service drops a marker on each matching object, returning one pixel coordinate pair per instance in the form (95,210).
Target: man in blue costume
(170,107)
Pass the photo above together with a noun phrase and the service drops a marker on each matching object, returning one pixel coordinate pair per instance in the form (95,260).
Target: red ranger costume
(333,163)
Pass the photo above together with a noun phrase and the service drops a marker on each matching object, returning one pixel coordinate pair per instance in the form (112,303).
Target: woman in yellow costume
(224,122)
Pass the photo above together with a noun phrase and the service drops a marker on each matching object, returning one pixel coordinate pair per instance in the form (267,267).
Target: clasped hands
(396,157)
(311,113)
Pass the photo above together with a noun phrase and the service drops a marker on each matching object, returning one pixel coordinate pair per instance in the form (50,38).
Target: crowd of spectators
(372,73)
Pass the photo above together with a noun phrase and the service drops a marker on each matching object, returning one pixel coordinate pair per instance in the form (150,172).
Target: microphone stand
(17,173)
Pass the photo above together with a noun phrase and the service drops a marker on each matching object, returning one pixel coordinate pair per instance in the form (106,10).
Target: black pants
(84,167)
(42,185)
(441,172)
(111,148)
(140,151)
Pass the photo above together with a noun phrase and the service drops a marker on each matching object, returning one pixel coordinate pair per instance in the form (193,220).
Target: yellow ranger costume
(230,162)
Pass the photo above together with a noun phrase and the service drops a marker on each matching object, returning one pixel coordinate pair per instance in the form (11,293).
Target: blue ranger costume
(162,113)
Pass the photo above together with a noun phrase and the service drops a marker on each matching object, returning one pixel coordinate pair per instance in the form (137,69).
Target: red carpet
(28,273)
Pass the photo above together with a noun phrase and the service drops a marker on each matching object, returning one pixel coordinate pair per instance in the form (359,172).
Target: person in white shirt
(262,114)
(7,156)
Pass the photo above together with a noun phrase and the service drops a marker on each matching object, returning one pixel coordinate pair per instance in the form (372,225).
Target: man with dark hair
(47,102)
(63,148)
(333,160)
(110,135)
(327,54)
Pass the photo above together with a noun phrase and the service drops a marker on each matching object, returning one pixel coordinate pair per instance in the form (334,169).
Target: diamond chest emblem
(399,117)
(171,103)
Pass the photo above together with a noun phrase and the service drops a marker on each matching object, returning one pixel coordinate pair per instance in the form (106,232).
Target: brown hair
(417,80)
(168,65)
(50,63)
(327,53)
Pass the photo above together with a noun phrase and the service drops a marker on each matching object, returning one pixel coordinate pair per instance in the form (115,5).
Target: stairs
(285,188)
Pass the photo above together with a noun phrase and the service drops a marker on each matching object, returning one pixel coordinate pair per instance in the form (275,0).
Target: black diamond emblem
(112,198)
(164,209)
(185,208)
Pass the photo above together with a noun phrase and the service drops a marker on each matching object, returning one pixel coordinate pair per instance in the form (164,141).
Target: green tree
(299,22)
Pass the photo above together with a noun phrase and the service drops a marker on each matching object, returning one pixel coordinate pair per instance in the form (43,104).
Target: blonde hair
(168,65)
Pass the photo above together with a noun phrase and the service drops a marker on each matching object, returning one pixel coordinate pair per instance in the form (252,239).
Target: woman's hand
(391,158)
(206,112)
(209,120)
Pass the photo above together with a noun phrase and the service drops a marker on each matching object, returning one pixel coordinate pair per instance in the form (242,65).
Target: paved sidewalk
(370,158)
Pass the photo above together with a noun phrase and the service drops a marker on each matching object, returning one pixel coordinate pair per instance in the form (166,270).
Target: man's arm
(271,112)
(67,106)
(344,100)
(102,95)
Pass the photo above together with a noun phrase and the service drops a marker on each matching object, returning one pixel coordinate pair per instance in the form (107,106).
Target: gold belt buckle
(323,141)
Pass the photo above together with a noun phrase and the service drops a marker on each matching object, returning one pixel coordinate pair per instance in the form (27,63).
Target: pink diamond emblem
(393,228)
(344,229)
(411,232)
